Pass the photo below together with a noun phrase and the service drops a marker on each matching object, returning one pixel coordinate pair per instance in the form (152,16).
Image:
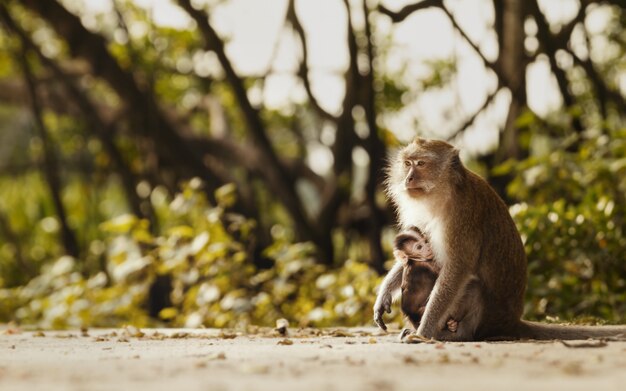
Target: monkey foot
(410,336)
(404,333)
(453,325)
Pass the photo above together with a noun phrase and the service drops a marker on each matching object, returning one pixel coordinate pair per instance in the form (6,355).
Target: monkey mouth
(415,190)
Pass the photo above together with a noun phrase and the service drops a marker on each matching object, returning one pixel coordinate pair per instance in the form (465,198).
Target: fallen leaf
(227,335)
(340,333)
(62,336)
(132,331)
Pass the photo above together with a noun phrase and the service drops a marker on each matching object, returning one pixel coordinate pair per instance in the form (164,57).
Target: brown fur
(475,242)
(419,273)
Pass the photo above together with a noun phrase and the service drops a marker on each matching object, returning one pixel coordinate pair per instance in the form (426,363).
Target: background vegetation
(137,188)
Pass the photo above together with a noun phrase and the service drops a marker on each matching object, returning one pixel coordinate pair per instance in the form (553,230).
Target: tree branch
(397,17)
(280,180)
(375,148)
(407,10)
(152,123)
(50,167)
(550,49)
(469,121)
(467,39)
(345,139)
(602,89)
(303,72)
(96,122)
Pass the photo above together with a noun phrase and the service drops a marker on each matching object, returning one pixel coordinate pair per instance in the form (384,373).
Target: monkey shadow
(585,343)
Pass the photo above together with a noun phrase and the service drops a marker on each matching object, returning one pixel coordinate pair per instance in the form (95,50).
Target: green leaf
(226,195)
(168,313)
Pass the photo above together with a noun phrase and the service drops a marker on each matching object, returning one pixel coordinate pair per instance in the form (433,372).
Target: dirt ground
(328,359)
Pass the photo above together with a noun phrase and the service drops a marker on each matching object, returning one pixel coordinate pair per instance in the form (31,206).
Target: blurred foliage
(574,227)
(202,251)
(572,217)
(572,223)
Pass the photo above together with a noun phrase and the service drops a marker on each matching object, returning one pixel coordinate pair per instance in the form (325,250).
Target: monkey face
(421,167)
(412,244)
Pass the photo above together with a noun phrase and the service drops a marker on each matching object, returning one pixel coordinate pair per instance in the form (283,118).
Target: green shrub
(214,282)
(574,229)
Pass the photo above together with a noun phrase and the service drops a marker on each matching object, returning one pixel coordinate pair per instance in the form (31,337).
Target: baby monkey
(419,274)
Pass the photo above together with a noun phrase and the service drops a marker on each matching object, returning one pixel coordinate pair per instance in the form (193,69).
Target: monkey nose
(410,182)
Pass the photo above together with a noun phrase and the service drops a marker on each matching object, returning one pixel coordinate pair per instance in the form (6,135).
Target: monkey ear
(454,157)
(456,164)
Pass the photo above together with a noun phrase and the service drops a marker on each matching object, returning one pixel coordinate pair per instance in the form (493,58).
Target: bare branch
(469,41)
(96,122)
(50,167)
(469,121)
(396,17)
(280,179)
(246,156)
(345,137)
(303,72)
(550,48)
(152,123)
(375,149)
(407,10)
(602,89)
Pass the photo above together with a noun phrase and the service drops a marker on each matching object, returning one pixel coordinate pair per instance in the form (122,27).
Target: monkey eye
(421,162)
(407,163)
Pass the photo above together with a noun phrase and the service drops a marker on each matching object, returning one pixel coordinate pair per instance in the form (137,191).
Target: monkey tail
(543,331)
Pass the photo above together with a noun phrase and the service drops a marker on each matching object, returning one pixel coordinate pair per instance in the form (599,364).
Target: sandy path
(362,360)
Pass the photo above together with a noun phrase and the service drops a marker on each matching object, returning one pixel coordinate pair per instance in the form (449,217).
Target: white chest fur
(419,214)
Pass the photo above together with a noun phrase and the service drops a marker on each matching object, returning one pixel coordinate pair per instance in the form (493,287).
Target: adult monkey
(475,242)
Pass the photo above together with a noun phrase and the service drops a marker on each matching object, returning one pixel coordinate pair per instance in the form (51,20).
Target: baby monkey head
(412,245)
(423,167)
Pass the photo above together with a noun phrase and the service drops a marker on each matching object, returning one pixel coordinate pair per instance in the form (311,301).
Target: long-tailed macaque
(475,244)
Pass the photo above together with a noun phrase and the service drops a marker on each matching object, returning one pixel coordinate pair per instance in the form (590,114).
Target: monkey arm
(390,284)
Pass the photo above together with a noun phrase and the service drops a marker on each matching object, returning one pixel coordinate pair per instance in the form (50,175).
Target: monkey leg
(405,333)
(465,317)
(452,326)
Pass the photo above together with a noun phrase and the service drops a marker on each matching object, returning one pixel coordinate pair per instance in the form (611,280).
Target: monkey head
(412,244)
(424,167)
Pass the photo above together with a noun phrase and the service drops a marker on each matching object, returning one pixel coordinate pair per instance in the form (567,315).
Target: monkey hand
(382,305)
